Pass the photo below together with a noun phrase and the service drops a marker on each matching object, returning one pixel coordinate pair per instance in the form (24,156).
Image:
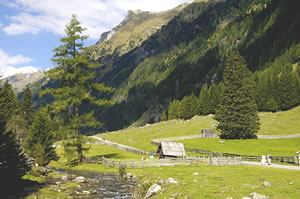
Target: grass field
(222,182)
(276,147)
(287,122)
(284,122)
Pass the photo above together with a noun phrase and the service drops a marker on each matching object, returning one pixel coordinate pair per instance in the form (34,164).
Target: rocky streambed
(98,185)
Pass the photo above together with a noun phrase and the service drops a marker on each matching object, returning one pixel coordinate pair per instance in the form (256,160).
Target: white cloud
(35,16)
(8,63)
(7,60)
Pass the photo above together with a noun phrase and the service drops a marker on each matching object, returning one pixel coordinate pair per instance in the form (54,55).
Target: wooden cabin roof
(172,149)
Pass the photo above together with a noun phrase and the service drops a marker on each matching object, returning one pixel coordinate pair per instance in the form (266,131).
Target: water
(104,185)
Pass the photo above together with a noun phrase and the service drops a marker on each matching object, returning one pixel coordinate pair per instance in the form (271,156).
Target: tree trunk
(78,141)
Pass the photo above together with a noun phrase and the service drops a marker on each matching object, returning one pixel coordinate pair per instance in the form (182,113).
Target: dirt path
(273,165)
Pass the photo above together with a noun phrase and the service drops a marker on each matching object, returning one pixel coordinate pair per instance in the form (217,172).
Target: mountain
(20,77)
(188,50)
(9,71)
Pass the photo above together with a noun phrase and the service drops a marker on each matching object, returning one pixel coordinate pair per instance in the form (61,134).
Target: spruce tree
(204,101)
(237,114)
(40,139)
(288,90)
(173,110)
(163,116)
(27,106)
(13,162)
(75,72)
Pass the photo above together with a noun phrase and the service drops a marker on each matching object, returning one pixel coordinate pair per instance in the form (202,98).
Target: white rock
(129,175)
(196,173)
(85,192)
(80,179)
(153,190)
(266,184)
(171,180)
(64,178)
(258,196)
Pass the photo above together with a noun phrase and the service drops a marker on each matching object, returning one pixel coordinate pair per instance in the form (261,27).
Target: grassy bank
(222,182)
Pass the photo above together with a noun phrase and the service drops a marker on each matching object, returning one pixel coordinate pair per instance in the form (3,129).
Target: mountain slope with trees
(189,52)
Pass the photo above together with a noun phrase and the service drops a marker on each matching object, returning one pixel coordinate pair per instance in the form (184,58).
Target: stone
(246,198)
(160,182)
(229,198)
(196,173)
(79,179)
(266,184)
(258,196)
(64,178)
(86,192)
(153,190)
(291,183)
(129,175)
(195,180)
(58,183)
(171,180)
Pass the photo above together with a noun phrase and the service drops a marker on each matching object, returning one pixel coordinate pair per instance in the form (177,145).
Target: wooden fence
(189,161)
(276,159)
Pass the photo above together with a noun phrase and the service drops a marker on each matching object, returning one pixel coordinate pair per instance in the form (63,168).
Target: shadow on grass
(21,189)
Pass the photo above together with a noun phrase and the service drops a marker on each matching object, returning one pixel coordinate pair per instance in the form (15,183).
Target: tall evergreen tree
(188,107)
(288,90)
(13,162)
(237,114)
(173,110)
(27,106)
(75,72)
(204,106)
(10,104)
(40,139)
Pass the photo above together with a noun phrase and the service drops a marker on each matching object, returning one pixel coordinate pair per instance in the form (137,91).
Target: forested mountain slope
(190,50)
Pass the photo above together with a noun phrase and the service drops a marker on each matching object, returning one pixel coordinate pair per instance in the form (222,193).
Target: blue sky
(30,29)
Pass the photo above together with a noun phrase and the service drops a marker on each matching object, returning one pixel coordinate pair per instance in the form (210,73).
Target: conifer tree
(75,72)
(40,139)
(27,106)
(10,104)
(163,116)
(237,114)
(287,89)
(173,110)
(188,107)
(204,101)
(13,162)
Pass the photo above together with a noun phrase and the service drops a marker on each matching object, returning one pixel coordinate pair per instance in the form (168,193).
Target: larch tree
(75,72)
(237,114)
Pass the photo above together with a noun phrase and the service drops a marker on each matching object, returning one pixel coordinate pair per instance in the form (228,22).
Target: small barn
(170,149)
(209,133)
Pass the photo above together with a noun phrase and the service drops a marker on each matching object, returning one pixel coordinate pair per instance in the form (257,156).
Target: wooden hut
(209,133)
(171,150)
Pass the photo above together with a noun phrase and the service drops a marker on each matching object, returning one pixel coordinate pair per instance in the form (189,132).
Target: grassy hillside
(285,122)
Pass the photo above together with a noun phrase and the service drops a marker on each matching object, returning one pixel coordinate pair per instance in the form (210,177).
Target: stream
(103,185)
